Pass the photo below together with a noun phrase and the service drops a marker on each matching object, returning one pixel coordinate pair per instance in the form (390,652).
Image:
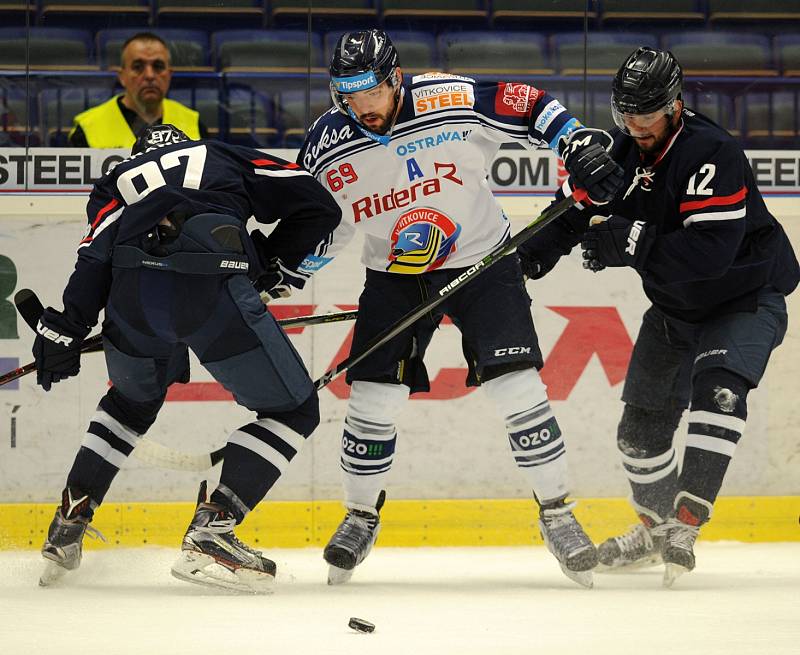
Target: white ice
(741,599)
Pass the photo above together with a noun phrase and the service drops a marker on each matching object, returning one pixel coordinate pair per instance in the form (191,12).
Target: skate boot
(352,541)
(211,554)
(565,538)
(639,547)
(680,533)
(63,547)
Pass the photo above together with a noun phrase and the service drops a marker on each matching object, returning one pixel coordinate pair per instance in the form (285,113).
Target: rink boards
(453,474)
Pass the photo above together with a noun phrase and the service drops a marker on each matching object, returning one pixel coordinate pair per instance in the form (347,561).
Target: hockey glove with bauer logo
(616,241)
(590,167)
(57,348)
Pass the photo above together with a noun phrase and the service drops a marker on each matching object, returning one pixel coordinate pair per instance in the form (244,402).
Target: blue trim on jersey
(359,146)
(570,126)
(312,263)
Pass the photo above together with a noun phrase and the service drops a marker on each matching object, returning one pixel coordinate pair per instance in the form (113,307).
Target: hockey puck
(360,625)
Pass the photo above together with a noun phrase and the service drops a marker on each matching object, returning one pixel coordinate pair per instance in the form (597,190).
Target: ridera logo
(377,203)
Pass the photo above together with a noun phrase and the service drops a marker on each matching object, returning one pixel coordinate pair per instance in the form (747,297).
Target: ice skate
(353,540)
(63,547)
(638,548)
(565,538)
(211,554)
(680,533)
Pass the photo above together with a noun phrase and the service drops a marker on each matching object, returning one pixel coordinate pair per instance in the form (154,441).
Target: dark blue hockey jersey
(191,178)
(715,245)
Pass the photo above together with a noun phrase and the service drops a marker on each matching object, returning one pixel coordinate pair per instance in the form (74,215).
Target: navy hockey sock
(644,441)
(255,457)
(716,423)
(104,449)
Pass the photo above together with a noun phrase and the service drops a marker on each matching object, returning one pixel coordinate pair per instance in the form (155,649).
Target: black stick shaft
(468,275)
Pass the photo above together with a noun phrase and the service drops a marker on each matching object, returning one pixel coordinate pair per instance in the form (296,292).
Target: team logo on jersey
(442,96)
(422,239)
(513,99)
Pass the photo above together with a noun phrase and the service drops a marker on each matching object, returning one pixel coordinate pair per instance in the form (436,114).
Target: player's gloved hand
(271,284)
(57,348)
(539,254)
(590,167)
(616,241)
(537,265)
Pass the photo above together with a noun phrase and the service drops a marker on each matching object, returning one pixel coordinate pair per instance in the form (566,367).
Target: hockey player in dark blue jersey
(716,266)
(168,257)
(407,160)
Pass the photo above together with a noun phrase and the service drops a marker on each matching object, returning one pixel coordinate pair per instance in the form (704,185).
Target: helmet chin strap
(385,138)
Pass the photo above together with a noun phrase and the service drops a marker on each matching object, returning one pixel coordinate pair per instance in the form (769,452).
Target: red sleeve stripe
(269,162)
(732,199)
(100,216)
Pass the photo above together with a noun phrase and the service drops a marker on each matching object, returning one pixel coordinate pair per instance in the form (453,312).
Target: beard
(379,123)
(652,144)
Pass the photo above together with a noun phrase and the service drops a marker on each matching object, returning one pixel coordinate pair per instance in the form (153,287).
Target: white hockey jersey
(423,200)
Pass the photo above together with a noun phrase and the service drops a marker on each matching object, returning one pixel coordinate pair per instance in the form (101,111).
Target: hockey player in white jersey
(407,161)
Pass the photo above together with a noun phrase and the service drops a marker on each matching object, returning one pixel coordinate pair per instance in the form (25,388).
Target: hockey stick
(30,308)
(546,217)
(168,459)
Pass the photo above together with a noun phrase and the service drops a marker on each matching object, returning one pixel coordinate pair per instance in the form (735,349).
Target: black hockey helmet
(158,135)
(648,82)
(362,60)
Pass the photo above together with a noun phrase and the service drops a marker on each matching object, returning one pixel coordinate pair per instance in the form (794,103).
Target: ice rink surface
(742,599)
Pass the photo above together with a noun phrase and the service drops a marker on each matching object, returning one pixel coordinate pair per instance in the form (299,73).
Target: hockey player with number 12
(407,161)
(716,266)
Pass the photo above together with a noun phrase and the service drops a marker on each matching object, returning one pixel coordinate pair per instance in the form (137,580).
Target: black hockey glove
(271,284)
(616,241)
(57,348)
(539,254)
(590,167)
(536,262)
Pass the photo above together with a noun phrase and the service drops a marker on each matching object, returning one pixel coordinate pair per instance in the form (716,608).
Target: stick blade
(156,454)
(29,306)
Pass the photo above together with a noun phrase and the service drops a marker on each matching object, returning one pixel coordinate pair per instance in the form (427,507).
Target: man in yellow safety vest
(145,75)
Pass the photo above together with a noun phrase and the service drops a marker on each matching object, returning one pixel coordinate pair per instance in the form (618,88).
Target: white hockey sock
(369,438)
(536,441)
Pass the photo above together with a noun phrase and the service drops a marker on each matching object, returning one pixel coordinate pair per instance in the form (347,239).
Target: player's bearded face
(374,108)
(651,132)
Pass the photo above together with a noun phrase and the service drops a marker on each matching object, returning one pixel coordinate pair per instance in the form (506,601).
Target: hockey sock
(644,440)
(104,449)
(369,439)
(716,422)
(534,434)
(256,455)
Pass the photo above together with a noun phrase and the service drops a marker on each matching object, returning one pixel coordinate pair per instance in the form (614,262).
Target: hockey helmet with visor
(645,88)
(362,61)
